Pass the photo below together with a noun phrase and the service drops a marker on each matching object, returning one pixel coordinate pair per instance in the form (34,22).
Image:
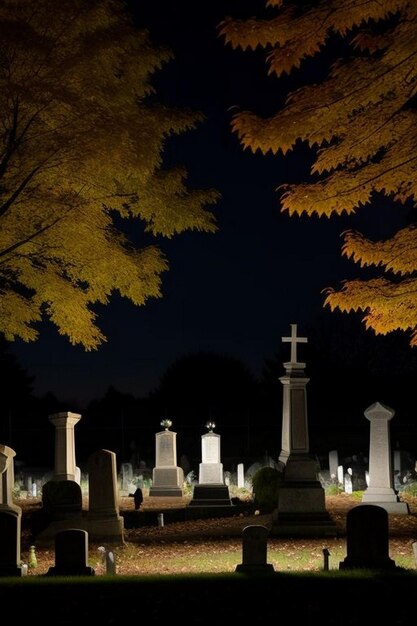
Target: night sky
(235,292)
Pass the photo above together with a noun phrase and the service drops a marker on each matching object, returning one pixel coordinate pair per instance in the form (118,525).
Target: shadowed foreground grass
(327,598)
(336,597)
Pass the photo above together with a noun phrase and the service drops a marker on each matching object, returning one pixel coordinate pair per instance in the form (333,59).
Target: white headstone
(167,477)
(210,469)
(333,465)
(348,483)
(240,476)
(380,490)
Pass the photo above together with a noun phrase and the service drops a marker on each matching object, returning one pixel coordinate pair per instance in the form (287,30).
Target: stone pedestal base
(301,497)
(79,571)
(210,473)
(211,495)
(386,498)
(301,511)
(166,492)
(102,529)
(395,507)
(300,468)
(304,525)
(167,482)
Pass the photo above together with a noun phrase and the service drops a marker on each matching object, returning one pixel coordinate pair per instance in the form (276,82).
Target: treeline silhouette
(349,369)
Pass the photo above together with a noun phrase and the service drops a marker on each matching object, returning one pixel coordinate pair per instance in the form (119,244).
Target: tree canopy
(360,122)
(81,167)
(206,380)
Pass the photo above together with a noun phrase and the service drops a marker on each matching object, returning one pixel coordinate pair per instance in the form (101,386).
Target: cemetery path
(152,549)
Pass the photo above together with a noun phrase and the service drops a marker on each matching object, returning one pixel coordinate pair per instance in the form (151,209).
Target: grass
(206,546)
(328,599)
(165,575)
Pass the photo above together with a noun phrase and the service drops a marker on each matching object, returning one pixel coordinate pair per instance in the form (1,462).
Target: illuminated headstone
(212,489)
(167,477)
(380,490)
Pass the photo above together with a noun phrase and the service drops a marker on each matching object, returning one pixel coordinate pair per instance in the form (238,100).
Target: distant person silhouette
(138,498)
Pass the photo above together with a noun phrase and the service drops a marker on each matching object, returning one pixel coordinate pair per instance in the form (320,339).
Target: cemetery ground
(185,570)
(214,544)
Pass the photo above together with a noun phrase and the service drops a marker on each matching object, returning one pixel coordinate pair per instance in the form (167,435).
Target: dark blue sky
(235,292)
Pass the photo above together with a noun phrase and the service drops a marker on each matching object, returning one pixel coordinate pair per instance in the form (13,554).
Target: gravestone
(367,538)
(167,477)
(104,520)
(210,468)
(71,554)
(333,465)
(110,563)
(381,483)
(240,476)
(211,489)
(348,483)
(127,477)
(301,506)
(10,517)
(254,551)
(340,474)
(61,500)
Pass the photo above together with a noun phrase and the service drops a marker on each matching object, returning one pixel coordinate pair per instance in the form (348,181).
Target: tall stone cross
(294,340)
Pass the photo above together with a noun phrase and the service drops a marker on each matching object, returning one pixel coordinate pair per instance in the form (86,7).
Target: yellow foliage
(81,147)
(361,123)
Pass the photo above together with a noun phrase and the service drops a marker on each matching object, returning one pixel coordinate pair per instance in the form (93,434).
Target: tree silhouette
(360,122)
(206,385)
(206,380)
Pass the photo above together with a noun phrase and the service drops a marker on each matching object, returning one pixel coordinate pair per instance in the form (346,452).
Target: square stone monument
(211,489)
(167,477)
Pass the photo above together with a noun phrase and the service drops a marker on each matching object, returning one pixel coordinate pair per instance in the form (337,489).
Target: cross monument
(294,340)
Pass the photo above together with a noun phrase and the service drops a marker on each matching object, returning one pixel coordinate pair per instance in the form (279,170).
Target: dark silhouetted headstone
(71,554)
(367,538)
(254,550)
